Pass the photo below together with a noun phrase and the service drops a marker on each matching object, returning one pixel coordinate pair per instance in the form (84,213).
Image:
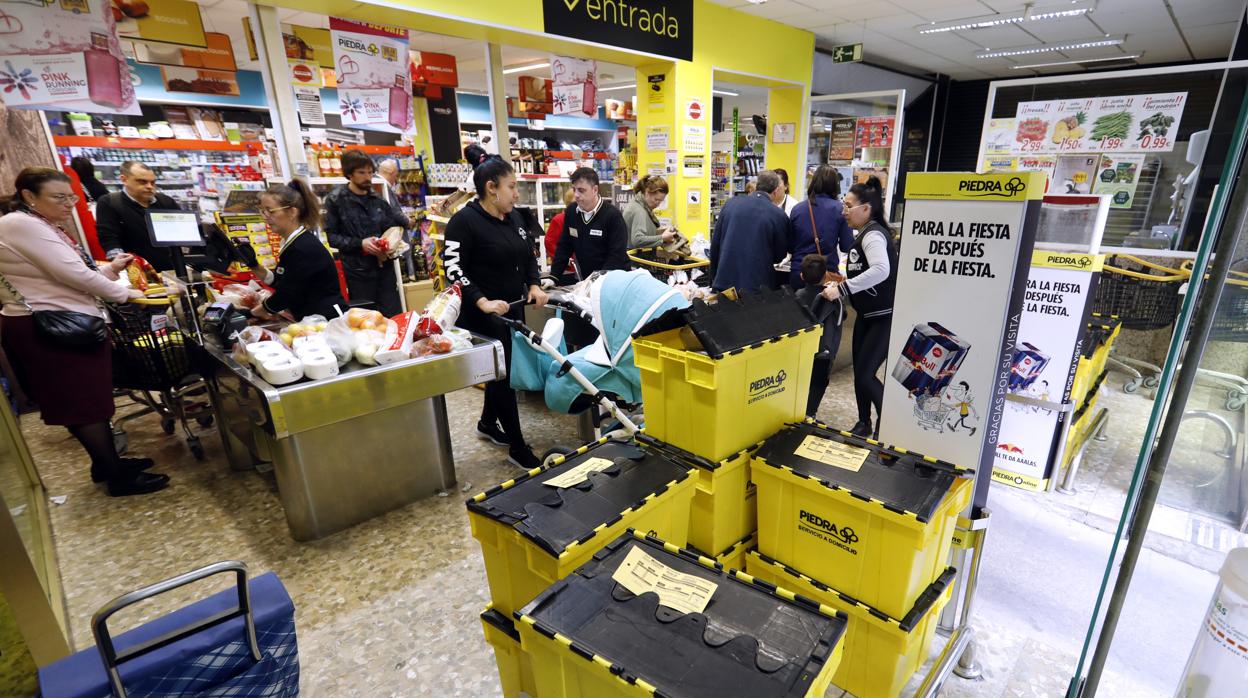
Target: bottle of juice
(327,168)
(313,158)
(336,160)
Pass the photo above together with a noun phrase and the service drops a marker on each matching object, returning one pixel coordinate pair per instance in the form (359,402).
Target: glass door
(860,135)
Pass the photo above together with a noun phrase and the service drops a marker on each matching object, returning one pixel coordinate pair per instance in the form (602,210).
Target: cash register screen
(174,229)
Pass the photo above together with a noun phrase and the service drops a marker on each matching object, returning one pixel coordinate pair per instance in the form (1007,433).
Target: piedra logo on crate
(842,537)
(767,386)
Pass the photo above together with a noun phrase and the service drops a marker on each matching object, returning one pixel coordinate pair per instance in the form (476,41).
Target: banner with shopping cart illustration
(1042,369)
(965,255)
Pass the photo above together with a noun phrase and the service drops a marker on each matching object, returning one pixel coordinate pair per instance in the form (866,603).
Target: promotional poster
(1046,353)
(59,54)
(964,259)
(372,65)
(1126,123)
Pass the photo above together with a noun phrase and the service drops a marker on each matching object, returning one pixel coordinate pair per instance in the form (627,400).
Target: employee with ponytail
(305,281)
(871,277)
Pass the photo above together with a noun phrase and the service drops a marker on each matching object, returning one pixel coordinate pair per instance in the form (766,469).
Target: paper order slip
(832,452)
(686,593)
(578,474)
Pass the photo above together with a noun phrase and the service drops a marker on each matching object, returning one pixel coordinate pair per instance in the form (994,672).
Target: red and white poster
(65,55)
(874,132)
(575,90)
(374,75)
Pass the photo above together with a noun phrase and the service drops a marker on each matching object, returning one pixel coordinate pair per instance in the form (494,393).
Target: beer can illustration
(930,359)
(1029,363)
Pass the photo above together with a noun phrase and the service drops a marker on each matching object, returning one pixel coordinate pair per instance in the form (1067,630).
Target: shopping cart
(669,267)
(154,365)
(1230,324)
(1142,296)
(931,411)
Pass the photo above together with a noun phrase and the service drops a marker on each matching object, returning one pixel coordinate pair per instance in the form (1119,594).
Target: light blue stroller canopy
(622,301)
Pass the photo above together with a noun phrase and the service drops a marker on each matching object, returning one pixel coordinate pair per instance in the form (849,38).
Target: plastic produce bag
(368,342)
(341,339)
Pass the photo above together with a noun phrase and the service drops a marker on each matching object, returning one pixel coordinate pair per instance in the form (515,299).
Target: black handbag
(67,329)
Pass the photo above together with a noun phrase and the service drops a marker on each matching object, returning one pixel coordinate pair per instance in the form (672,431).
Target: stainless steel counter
(348,448)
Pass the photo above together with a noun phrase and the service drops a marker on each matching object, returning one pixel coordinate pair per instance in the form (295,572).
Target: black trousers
(821,370)
(376,285)
(500,398)
(870,345)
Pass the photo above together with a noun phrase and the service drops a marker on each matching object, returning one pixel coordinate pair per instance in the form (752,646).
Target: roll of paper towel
(280,370)
(319,363)
(266,348)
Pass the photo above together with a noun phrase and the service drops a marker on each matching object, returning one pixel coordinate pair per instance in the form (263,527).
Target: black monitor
(175,228)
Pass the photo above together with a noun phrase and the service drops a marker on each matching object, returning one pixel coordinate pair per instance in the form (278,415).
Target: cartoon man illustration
(962,396)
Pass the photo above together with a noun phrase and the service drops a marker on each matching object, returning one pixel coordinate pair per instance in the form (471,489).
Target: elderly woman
(43,270)
(643,225)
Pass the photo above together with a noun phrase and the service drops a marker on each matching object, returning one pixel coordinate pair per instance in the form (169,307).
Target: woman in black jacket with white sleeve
(305,281)
(489,253)
(871,278)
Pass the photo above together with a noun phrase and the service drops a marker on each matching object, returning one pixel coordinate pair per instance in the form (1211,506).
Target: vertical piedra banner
(374,75)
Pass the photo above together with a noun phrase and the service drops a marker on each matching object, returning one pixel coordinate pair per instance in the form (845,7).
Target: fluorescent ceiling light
(522,68)
(1075,61)
(726,93)
(617,87)
(1049,48)
(756,2)
(1075,8)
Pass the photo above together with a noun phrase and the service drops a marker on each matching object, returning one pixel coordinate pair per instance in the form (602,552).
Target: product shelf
(152,143)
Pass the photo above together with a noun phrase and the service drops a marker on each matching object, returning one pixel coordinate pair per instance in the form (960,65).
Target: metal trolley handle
(104,641)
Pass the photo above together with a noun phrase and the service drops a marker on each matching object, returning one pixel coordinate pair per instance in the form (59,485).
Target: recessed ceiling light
(1077,61)
(522,68)
(726,93)
(1049,48)
(618,87)
(1075,8)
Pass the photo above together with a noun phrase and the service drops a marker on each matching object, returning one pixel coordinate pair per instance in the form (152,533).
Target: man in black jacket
(120,221)
(593,229)
(355,217)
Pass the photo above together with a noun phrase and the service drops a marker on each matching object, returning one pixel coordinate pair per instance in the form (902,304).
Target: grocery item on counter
(433,344)
(398,344)
(1113,125)
(361,319)
(249,336)
(440,313)
(311,325)
(319,360)
(243,297)
(280,369)
(257,352)
(460,338)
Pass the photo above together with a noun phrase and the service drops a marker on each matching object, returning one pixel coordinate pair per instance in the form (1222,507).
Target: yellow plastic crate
(723,509)
(855,530)
(881,652)
(515,668)
(734,557)
(716,407)
(519,564)
(569,667)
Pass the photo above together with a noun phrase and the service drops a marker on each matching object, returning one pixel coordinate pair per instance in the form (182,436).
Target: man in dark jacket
(593,229)
(355,218)
(120,220)
(751,236)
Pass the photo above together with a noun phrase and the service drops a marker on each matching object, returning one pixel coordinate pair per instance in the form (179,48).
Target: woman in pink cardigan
(43,268)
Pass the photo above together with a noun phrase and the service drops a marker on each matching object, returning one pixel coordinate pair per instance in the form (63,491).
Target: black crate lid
(730,326)
(554,518)
(748,642)
(902,482)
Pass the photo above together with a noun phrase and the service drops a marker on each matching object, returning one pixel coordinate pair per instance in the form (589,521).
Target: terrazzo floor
(390,607)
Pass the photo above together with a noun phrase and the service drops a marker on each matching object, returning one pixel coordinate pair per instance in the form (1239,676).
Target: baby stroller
(602,376)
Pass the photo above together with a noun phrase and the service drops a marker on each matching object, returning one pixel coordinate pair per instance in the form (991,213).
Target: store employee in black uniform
(593,229)
(120,219)
(489,253)
(305,281)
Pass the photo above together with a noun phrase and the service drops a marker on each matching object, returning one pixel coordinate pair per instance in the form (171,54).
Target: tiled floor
(389,608)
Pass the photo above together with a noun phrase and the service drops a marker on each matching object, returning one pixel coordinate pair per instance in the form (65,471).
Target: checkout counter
(351,447)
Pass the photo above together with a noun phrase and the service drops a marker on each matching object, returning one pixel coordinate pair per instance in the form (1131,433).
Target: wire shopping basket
(1143,295)
(665,266)
(1230,321)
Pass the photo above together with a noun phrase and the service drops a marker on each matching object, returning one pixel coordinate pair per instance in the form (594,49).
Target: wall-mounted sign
(656,91)
(849,53)
(695,109)
(206,82)
(783,132)
(374,78)
(170,21)
(218,55)
(1126,123)
(1118,176)
(306,74)
(841,145)
(65,55)
(439,69)
(663,27)
(875,132)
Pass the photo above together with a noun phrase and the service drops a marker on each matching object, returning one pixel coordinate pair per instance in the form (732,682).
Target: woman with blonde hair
(644,229)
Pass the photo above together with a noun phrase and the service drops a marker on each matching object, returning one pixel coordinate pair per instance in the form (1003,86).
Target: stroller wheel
(204,421)
(167,425)
(197,449)
(549,457)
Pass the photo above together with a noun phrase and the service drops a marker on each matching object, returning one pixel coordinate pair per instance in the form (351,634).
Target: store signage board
(874,132)
(695,109)
(657,137)
(849,53)
(1118,176)
(1050,340)
(374,75)
(311,111)
(1120,124)
(695,139)
(440,69)
(168,21)
(693,165)
(59,56)
(841,145)
(962,271)
(194,80)
(217,55)
(303,73)
(656,91)
(784,132)
(661,27)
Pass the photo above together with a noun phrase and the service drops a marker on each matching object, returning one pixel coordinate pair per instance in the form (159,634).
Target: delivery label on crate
(1042,368)
(962,270)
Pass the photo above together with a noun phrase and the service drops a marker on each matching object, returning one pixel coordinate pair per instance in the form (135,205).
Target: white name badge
(595,232)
